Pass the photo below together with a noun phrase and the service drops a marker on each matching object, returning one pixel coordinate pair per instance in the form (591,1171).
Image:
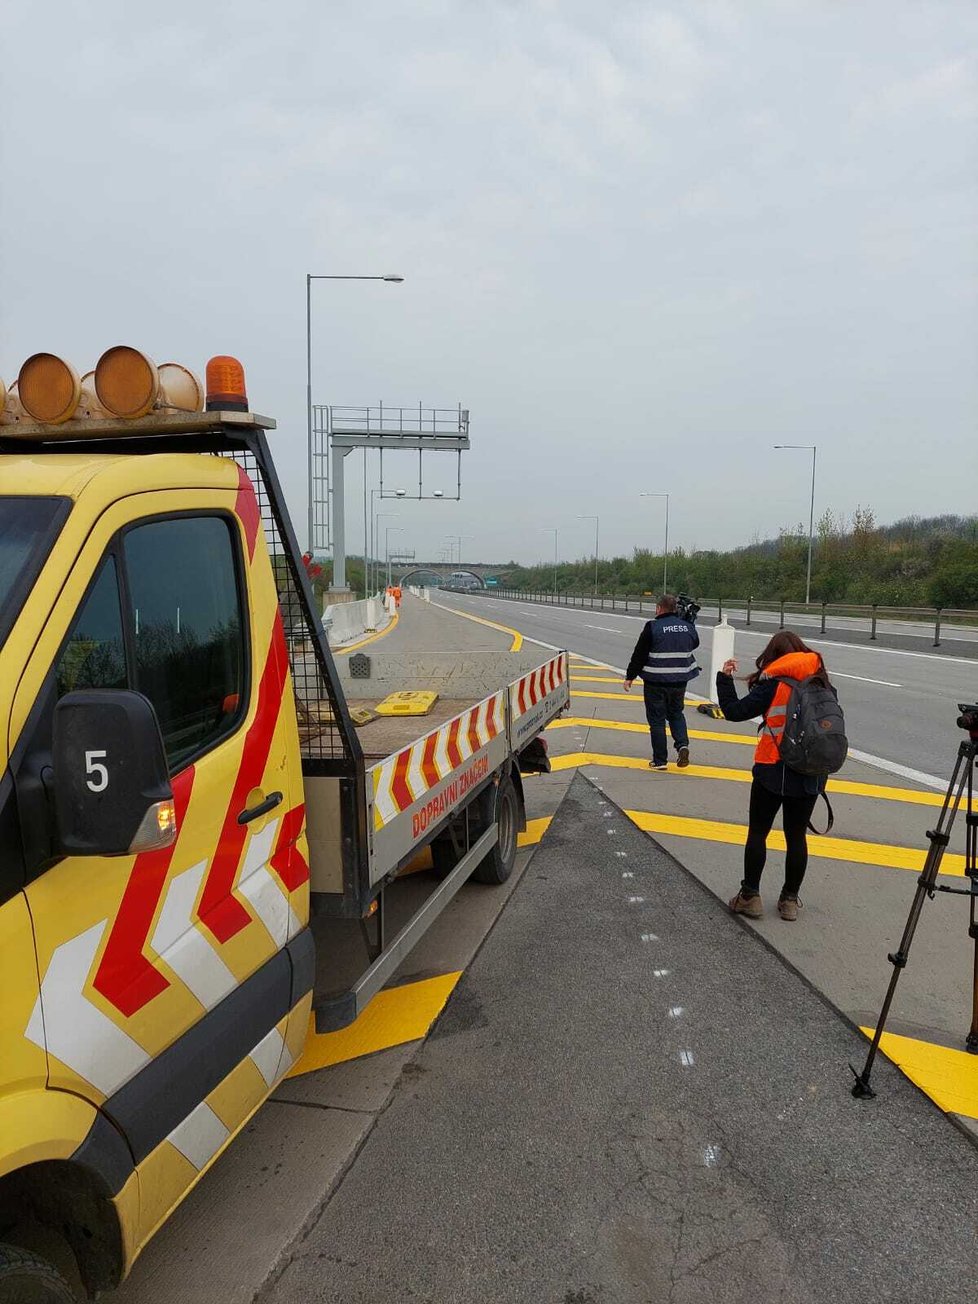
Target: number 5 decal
(98,775)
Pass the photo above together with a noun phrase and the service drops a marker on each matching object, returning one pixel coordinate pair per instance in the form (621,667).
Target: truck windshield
(28,528)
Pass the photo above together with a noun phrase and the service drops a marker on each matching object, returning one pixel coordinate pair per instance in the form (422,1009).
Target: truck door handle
(263,807)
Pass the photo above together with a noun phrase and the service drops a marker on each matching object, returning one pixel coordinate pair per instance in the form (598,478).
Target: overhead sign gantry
(387,429)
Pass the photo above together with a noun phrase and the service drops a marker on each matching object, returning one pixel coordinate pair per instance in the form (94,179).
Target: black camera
(687,608)
(968,719)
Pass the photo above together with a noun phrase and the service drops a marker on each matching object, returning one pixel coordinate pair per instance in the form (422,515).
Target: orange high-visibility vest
(796,665)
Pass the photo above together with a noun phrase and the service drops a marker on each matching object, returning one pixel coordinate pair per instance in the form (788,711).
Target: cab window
(187,629)
(95,655)
(165,617)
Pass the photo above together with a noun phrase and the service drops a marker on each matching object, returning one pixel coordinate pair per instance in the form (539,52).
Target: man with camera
(664,658)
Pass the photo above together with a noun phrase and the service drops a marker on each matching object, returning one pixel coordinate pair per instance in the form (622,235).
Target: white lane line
(867,758)
(856,647)
(686,1058)
(675,1011)
(886,683)
(861,647)
(902,771)
(605,630)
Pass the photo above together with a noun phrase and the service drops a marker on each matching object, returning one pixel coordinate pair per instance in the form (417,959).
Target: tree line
(925,562)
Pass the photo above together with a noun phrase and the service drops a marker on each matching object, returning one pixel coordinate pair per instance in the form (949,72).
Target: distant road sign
(491,581)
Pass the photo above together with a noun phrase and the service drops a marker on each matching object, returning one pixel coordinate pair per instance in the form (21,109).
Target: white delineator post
(723,650)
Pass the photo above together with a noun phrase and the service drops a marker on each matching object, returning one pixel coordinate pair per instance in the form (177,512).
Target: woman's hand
(729,667)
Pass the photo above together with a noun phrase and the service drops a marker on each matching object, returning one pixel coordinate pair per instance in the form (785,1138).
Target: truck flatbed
(386,734)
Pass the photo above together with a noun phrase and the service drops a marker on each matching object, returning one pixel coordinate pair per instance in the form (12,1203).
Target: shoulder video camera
(687,608)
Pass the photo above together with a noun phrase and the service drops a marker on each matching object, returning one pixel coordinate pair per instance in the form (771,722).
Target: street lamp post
(374,532)
(813,449)
(457,540)
(596,523)
(665,546)
(552,529)
(397,529)
(377,520)
(309,280)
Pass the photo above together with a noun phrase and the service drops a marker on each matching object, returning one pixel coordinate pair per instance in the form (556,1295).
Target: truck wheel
(498,865)
(26,1278)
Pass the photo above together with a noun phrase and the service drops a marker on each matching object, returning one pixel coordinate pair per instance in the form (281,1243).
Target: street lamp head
(392,276)
(400,493)
(437,493)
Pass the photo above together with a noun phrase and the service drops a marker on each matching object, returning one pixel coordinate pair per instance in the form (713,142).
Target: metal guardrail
(872,613)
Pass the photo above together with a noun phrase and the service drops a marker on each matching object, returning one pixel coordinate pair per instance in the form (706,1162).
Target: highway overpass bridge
(439,572)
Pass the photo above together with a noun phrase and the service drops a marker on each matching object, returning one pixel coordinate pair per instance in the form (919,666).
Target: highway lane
(911,635)
(900,705)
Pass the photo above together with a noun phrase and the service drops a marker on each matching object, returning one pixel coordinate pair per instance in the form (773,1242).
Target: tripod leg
(939,838)
(971,870)
(971,1041)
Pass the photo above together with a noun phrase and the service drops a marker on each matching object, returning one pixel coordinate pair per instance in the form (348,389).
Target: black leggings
(797,811)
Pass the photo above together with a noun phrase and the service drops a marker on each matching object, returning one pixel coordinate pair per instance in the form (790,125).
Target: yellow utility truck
(184,799)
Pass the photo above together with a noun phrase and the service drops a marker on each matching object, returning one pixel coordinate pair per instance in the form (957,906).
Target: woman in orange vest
(775,787)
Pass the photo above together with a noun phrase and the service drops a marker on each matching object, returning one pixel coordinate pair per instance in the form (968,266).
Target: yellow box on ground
(408,702)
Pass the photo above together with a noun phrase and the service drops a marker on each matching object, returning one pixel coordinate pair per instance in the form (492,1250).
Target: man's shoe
(682,759)
(658,765)
(752,907)
(788,908)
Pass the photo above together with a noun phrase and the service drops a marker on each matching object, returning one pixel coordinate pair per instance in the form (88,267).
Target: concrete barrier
(344,622)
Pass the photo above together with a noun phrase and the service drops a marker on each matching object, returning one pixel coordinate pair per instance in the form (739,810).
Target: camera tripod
(960,785)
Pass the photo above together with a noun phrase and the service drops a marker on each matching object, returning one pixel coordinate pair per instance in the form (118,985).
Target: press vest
(796,665)
(670,660)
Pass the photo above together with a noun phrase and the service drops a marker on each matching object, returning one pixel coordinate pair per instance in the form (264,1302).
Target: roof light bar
(125,385)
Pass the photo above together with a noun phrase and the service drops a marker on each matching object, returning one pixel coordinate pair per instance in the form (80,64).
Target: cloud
(638,239)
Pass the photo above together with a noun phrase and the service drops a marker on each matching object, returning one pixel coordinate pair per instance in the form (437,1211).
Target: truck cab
(152,1000)
(182,796)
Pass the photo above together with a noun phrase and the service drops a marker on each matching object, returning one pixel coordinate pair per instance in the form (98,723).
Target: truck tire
(498,865)
(25,1278)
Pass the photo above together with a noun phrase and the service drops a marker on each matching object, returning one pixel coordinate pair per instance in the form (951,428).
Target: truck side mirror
(112,794)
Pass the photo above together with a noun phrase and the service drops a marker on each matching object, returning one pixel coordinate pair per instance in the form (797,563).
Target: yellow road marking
(535,829)
(858,853)
(629,726)
(395,1016)
(626,697)
(372,638)
(882,792)
(595,679)
(479,620)
(949,1077)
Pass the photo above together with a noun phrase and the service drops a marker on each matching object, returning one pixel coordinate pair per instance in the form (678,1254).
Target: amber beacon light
(225,382)
(49,388)
(127,383)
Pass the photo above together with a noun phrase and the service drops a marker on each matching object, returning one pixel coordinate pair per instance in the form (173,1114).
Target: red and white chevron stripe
(532,688)
(404,778)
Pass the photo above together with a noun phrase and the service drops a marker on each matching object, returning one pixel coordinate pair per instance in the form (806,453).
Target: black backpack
(814,740)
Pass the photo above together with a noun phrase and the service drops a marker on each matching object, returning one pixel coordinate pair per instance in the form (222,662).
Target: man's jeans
(664,703)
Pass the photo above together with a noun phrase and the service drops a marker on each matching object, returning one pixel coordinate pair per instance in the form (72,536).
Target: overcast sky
(641,242)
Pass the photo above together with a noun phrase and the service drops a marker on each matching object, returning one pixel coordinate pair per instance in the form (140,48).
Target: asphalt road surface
(629,1100)
(900,705)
